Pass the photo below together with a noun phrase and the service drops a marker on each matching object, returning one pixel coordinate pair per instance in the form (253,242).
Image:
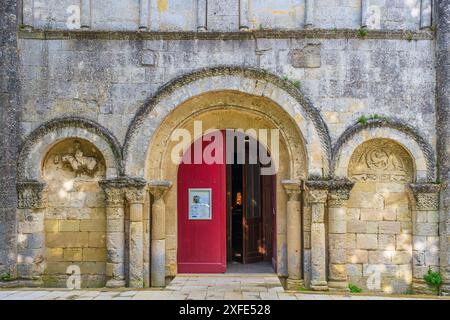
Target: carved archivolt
(381,160)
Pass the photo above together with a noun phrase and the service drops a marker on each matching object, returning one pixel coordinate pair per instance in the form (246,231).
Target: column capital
(158,188)
(293,189)
(114,192)
(135,189)
(426,195)
(339,192)
(31,194)
(317,190)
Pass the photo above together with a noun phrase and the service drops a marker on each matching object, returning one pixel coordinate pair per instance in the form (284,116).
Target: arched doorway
(226,204)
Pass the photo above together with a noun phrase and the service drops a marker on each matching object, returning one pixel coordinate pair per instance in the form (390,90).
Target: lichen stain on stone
(163,5)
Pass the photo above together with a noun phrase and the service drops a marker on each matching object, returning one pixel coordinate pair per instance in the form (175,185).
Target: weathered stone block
(357,256)
(367,241)
(67,239)
(94,254)
(307,57)
(389,227)
(73,254)
(93,225)
(69,225)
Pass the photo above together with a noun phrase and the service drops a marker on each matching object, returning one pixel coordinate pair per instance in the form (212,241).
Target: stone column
(309,14)
(32,201)
(144,12)
(135,196)
(425,14)
(364,12)
(294,234)
(243,15)
(85,14)
(158,233)
(115,233)
(425,218)
(317,197)
(443,132)
(337,230)
(201,15)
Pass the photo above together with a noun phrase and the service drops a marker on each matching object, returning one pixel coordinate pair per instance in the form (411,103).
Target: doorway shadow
(257,267)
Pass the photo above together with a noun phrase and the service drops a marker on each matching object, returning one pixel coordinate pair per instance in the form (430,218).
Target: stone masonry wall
(108,80)
(9,97)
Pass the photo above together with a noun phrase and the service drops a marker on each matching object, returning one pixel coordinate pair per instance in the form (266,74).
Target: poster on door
(200,204)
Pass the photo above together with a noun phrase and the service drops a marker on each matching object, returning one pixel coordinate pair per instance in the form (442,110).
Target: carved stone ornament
(381,160)
(114,193)
(293,189)
(78,162)
(339,192)
(31,195)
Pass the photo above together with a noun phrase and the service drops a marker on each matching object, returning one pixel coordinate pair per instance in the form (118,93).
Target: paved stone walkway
(194,287)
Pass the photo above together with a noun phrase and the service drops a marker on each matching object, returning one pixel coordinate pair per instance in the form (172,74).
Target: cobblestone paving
(193,287)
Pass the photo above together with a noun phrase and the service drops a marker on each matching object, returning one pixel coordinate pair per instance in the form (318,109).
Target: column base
(338,286)
(115,283)
(319,286)
(294,284)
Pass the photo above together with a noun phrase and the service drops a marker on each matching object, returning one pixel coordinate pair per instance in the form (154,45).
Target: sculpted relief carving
(77,161)
(381,160)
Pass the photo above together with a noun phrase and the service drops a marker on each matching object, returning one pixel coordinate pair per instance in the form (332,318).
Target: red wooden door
(202,243)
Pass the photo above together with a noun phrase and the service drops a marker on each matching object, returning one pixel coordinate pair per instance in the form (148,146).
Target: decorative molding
(41,34)
(381,160)
(312,113)
(392,123)
(293,189)
(31,195)
(69,122)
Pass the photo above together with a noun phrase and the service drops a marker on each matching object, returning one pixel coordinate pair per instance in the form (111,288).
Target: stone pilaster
(425,216)
(243,15)
(337,230)
(135,195)
(317,198)
(309,14)
(364,13)
(144,13)
(294,234)
(158,232)
(115,232)
(85,14)
(32,201)
(443,132)
(201,15)
(426,14)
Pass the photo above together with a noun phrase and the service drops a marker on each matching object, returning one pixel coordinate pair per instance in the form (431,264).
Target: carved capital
(339,192)
(293,189)
(317,191)
(135,195)
(114,192)
(426,196)
(158,188)
(31,195)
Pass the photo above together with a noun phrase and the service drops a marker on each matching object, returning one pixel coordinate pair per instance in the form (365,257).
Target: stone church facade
(92,90)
